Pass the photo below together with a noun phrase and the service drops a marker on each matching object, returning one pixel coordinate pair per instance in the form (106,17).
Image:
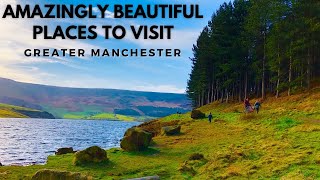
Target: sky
(142,74)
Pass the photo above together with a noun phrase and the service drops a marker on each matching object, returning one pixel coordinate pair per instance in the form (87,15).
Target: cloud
(108,14)
(159,88)
(16,36)
(181,39)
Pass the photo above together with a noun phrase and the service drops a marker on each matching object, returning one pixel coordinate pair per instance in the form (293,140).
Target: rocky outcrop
(54,175)
(92,154)
(197,114)
(171,130)
(136,139)
(154,127)
(66,150)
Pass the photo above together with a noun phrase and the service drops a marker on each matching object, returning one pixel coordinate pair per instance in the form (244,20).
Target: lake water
(31,141)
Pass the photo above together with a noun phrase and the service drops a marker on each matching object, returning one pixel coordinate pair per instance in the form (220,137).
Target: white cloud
(159,88)
(16,36)
(108,14)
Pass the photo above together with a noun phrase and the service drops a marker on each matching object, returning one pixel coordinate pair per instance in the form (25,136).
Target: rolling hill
(9,111)
(81,103)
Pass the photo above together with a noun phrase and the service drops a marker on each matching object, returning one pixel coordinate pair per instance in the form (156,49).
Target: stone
(136,139)
(196,114)
(66,150)
(171,130)
(92,154)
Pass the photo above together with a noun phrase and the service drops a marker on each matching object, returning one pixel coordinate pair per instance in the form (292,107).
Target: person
(247,105)
(210,117)
(257,106)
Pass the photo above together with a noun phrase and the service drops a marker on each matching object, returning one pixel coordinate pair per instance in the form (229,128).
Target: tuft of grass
(286,123)
(248,117)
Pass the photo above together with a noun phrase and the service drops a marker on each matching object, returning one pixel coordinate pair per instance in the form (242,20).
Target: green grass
(286,123)
(281,142)
(10,111)
(104,116)
(7,106)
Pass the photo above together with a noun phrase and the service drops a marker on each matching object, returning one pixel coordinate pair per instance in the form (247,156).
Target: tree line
(251,48)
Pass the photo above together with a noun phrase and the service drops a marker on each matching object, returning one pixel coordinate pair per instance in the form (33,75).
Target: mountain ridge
(87,102)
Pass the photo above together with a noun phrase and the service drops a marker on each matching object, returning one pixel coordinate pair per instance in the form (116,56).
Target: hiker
(257,106)
(247,106)
(210,117)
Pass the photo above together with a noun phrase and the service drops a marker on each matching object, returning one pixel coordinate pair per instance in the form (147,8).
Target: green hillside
(279,143)
(10,111)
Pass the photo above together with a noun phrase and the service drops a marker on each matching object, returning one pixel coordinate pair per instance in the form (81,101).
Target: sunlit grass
(281,142)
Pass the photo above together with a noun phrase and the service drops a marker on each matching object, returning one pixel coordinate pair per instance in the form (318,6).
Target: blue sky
(144,74)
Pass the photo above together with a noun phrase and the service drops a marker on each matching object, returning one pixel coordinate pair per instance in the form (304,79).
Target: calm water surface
(31,141)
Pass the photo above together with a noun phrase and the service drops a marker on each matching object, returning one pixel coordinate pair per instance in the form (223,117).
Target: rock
(171,130)
(136,139)
(67,150)
(196,156)
(53,175)
(92,154)
(147,178)
(196,114)
(1,164)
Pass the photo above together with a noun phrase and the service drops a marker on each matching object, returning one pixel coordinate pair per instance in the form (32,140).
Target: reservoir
(31,141)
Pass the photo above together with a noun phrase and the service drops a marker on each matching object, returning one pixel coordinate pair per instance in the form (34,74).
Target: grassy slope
(282,141)
(105,116)
(9,111)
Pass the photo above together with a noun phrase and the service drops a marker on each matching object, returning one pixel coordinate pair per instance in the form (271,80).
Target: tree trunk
(263,66)
(278,77)
(308,70)
(212,92)
(227,94)
(290,74)
(208,98)
(246,86)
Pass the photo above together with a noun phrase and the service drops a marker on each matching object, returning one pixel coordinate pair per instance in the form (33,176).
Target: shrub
(196,114)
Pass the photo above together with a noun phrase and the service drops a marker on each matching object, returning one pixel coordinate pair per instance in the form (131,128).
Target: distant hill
(9,111)
(85,103)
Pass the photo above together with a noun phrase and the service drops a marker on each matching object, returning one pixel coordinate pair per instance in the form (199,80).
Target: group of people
(248,108)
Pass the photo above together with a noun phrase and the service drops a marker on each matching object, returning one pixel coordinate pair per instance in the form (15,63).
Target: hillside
(90,103)
(9,111)
(280,142)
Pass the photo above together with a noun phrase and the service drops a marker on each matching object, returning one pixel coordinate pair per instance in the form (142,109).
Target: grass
(104,116)
(281,142)
(91,113)
(10,111)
